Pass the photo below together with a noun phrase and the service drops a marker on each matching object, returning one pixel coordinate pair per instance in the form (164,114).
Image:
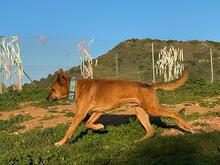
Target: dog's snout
(49,98)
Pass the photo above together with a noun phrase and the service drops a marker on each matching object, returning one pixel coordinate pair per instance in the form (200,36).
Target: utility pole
(212,77)
(153,62)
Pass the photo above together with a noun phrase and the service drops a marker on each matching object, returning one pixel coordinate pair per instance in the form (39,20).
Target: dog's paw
(195,131)
(100,126)
(58,144)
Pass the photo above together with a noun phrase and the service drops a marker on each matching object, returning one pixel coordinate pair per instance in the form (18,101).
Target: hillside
(134,60)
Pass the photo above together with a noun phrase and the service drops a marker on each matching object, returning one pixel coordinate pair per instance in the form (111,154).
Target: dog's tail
(172,85)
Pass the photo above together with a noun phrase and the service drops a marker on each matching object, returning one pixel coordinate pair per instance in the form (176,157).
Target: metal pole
(212,77)
(1,49)
(29,78)
(153,62)
(0,74)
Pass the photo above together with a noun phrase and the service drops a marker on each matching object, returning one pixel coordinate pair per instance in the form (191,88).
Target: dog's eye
(53,89)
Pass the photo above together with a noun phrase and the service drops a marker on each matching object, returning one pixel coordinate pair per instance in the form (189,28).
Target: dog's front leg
(77,119)
(90,123)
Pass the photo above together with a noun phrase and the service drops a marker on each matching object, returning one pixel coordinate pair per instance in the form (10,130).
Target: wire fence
(131,60)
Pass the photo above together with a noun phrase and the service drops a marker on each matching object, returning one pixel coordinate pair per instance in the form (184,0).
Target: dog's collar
(72,88)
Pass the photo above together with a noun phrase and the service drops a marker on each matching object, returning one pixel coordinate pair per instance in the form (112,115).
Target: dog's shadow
(116,120)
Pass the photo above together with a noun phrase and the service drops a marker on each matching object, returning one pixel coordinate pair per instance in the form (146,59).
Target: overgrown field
(114,145)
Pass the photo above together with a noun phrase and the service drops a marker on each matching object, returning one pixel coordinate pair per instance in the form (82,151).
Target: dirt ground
(52,116)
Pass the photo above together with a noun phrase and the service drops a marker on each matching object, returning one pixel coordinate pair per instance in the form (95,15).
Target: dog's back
(109,94)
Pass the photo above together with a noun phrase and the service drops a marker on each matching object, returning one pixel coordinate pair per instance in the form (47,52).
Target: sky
(110,22)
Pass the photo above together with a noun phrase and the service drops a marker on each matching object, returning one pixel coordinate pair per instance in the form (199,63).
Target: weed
(48,117)
(45,104)
(209,104)
(69,114)
(12,124)
(65,111)
(210,114)
(53,110)
(200,124)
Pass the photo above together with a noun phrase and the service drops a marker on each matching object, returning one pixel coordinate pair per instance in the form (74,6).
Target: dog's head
(60,88)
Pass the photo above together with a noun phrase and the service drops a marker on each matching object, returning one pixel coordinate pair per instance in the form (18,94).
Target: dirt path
(52,116)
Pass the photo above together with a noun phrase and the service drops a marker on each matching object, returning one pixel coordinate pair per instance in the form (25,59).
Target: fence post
(153,62)
(0,74)
(212,77)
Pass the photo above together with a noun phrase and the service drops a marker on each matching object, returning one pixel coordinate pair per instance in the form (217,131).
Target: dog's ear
(60,75)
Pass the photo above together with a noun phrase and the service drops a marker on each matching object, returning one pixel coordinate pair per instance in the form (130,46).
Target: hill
(134,60)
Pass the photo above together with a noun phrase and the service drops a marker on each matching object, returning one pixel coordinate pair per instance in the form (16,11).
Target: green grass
(200,124)
(45,104)
(12,124)
(115,147)
(194,90)
(191,117)
(48,117)
(211,114)
(10,100)
(209,104)
(53,110)
(36,96)
(69,114)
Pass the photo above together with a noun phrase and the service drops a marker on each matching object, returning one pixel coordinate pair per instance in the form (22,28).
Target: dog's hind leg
(168,113)
(144,120)
(80,115)
(157,110)
(92,119)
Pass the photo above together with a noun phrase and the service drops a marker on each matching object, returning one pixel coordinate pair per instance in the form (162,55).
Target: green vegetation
(69,114)
(53,110)
(200,124)
(12,124)
(35,95)
(194,90)
(10,100)
(48,117)
(115,147)
(45,103)
(193,116)
(210,104)
(208,114)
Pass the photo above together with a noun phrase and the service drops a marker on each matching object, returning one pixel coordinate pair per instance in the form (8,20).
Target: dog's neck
(68,79)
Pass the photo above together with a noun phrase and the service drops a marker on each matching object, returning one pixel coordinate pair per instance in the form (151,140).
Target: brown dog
(101,95)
